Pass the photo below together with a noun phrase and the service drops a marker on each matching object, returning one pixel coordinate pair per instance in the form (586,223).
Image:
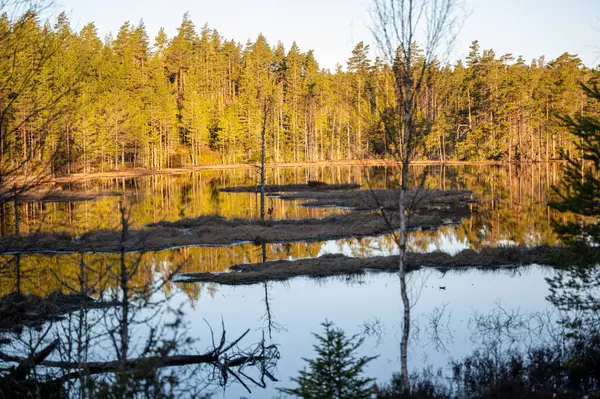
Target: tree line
(77,103)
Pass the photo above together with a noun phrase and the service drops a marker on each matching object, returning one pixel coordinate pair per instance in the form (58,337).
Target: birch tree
(398,25)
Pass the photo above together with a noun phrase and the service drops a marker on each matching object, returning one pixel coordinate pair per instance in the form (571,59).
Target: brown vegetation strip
(435,209)
(382,199)
(334,265)
(311,186)
(55,195)
(215,230)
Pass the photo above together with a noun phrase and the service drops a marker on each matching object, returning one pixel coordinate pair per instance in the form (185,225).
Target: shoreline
(341,265)
(431,209)
(218,232)
(136,173)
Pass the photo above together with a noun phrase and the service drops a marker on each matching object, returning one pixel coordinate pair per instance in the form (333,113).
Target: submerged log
(16,384)
(224,357)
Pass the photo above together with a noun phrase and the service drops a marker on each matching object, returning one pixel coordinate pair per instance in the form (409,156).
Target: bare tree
(398,25)
(135,345)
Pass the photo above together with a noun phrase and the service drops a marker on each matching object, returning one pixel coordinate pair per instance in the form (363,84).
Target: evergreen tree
(337,371)
(360,67)
(292,109)
(576,290)
(81,104)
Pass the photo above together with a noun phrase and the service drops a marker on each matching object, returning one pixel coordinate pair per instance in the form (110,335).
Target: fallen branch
(264,357)
(28,364)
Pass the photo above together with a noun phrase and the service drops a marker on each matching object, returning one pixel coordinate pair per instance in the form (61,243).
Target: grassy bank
(434,209)
(335,265)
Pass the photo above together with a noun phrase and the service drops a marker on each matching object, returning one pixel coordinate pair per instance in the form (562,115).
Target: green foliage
(580,190)
(336,371)
(554,371)
(576,290)
(91,105)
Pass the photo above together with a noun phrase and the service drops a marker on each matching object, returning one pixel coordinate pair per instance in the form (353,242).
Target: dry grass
(385,199)
(54,194)
(214,230)
(312,186)
(438,209)
(333,265)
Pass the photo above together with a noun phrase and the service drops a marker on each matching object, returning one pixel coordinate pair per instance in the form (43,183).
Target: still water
(371,305)
(452,312)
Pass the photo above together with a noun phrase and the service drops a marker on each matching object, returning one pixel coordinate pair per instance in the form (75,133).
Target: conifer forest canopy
(86,105)
(176,219)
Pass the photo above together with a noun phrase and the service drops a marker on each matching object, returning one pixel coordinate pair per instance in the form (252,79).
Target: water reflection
(513,207)
(512,211)
(154,318)
(475,308)
(373,300)
(133,342)
(42,274)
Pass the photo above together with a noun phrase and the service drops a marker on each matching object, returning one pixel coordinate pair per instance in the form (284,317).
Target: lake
(453,311)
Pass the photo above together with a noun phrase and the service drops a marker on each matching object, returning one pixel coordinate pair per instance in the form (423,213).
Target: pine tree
(576,290)
(337,371)
(359,65)
(292,88)
(81,104)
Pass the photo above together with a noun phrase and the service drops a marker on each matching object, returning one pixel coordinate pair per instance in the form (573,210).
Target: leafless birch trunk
(398,25)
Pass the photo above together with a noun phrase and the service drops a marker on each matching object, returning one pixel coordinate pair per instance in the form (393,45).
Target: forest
(76,103)
(129,267)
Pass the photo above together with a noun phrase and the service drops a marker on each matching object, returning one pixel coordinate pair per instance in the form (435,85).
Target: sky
(331,28)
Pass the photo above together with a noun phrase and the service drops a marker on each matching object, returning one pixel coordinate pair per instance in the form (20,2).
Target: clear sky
(332,27)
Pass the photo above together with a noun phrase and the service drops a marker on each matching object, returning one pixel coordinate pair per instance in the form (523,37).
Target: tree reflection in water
(137,346)
(143,329)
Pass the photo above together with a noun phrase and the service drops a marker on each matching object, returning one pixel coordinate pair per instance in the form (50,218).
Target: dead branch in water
(225,357)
